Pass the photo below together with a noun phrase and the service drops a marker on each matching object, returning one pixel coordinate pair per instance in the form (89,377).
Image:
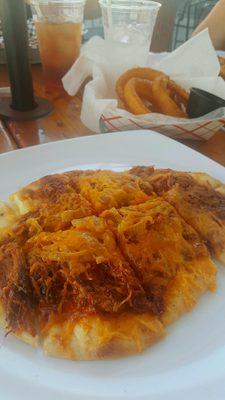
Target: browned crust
(100,338)
(185,289)
(22,335)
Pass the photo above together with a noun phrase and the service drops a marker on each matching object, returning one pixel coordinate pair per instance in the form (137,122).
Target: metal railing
(193,12)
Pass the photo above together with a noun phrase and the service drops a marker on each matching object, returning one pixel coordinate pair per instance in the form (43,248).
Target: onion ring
(134,89)
(143,73)
(178,94)
(163,100)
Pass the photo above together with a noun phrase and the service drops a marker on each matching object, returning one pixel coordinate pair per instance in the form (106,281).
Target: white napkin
(196,58)
(195,63)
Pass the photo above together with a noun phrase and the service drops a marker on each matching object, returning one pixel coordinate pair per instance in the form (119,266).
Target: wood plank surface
(6,141)
(65,122)
(214,148)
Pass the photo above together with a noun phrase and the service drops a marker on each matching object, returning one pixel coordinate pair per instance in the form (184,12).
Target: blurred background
(176,21)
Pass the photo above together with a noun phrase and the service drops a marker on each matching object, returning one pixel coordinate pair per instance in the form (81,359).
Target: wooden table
(65,122)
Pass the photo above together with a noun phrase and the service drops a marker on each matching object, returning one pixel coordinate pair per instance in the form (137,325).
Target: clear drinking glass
(128,28)
(59,29)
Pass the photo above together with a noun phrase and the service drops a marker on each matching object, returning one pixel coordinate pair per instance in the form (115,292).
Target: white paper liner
(194,64)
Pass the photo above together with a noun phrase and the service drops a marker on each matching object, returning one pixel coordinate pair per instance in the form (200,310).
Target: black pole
(23,104)
(14,26)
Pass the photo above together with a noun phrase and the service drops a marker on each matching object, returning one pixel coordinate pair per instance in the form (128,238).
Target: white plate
(189,363)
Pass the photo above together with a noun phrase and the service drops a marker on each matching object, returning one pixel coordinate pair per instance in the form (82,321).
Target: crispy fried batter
(165,103)
(139,73)
(135,89)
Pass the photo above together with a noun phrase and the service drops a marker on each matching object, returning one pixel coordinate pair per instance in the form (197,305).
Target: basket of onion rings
(154,97)
(153,100)
(145,90)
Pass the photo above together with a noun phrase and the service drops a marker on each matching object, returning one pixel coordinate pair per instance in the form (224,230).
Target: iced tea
(59,45)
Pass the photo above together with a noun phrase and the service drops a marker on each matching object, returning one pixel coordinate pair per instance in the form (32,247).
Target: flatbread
(95,264)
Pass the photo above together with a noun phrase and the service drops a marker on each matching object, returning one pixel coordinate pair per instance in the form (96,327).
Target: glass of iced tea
(59,29)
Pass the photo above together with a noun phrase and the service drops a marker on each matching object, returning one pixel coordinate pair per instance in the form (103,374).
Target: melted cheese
(95,264)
